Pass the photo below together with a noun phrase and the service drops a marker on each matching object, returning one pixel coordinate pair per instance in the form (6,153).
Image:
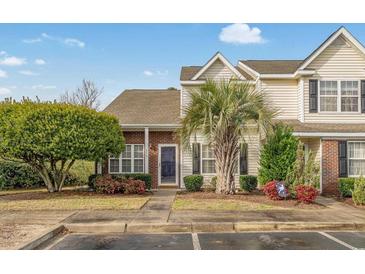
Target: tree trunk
(226,152)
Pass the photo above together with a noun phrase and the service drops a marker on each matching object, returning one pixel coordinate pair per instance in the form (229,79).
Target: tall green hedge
(277,155)
(346,186)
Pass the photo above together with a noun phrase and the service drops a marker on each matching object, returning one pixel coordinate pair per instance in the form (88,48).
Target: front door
(167,165)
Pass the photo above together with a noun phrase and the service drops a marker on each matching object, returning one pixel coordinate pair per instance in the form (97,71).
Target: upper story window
(130,161)
(339,96)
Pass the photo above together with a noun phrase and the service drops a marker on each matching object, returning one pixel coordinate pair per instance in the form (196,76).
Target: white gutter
(150,125)
(329,134)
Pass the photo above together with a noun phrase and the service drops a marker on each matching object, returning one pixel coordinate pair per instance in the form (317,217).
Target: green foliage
(16,175)
(145,177)
(304,173)
(278,155)
(224,113)
(50,137)
(248,182)
(358,195)
(92,180)
(82,170)
(346,186)
(193,183)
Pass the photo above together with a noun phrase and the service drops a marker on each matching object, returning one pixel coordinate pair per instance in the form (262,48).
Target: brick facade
(155,138)
(330,169)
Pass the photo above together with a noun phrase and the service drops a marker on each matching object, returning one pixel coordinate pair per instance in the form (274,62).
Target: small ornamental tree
(50,137)
(278,155)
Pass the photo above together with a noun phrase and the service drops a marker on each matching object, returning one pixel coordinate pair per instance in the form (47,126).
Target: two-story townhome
(322,97)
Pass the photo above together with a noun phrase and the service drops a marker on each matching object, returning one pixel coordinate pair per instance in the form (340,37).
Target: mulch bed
(63,194)
(254,197)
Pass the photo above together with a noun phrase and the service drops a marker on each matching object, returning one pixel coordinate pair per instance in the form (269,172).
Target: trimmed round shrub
(306,194)
(248,182)
(145,177)
(108,185)
(271,191)
(193,183)
(131,186)
(346,186)
(17,175)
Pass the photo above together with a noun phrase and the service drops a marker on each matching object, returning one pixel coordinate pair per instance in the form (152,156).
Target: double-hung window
(356,158)
(208,160)
(339,96)
(130,161)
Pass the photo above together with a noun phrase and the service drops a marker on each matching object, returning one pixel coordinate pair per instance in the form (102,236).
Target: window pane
(207,152)
(328,103)
(114,165)
(127,152)
(349,104)
(349,88)
(138,165)
(356,167)
(208,166)
(328,88)
(356,150)
(126,166)
(138,151)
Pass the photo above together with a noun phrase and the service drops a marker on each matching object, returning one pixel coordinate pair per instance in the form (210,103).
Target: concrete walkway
(157,209)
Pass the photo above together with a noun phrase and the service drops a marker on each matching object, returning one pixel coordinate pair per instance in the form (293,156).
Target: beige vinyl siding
(253,158)
(314,144)
(217,71)
(283,96)
(337,62)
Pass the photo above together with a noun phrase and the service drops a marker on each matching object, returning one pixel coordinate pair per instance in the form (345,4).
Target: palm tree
(224,112)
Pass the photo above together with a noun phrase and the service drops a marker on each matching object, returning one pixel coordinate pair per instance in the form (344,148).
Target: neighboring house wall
(339,61)
(283,96)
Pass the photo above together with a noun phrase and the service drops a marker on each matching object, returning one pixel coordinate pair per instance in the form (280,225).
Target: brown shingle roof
(273,66)
(144,107)
(324,127)
(188,72)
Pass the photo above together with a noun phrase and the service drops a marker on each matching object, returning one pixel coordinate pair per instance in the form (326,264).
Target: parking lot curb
(46,236)
(106,227)
(212,227)
(157,228)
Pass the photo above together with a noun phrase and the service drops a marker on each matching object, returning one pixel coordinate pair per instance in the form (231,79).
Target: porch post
(146,149)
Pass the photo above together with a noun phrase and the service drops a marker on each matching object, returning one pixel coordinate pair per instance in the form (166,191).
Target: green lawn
(218,204)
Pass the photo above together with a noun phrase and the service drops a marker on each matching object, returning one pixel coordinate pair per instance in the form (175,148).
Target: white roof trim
(329,134)
(150,125)
(342,31)
(217,56)
(248,69)
(201,82)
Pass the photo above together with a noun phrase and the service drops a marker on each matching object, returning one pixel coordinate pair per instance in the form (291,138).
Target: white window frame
(348,159)
(339,96)
(120,158)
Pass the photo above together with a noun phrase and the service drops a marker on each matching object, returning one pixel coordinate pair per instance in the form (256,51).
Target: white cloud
(148,73)
(13,61)
(3,74)
(32,41)
(241,34)
(28,73)
(2,52)
(39,62)
(74,42)
(43,87)
(4,91)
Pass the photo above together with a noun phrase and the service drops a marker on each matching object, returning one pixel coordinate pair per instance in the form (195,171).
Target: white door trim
(176,164)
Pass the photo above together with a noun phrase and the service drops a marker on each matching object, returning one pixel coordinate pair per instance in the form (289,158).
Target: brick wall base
(155,138)
(330,169)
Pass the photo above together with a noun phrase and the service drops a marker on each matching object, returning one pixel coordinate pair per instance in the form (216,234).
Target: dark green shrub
(17,175)
(248,182)
(278,155)
(92,180)
(193,182)
(346,186)
(145,177)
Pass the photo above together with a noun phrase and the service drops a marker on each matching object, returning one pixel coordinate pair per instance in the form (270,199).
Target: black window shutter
(243,159)
(342,158)
(196,158)
(362,96)
(313,96)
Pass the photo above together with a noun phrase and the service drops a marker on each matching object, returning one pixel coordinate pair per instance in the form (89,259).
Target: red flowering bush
(106,184)
(306,194)
(271,191)
(131,186)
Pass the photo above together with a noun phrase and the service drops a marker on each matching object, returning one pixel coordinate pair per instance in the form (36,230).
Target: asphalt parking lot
(214,241)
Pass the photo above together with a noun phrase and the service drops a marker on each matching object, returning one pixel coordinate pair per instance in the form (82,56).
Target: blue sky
(48,59)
